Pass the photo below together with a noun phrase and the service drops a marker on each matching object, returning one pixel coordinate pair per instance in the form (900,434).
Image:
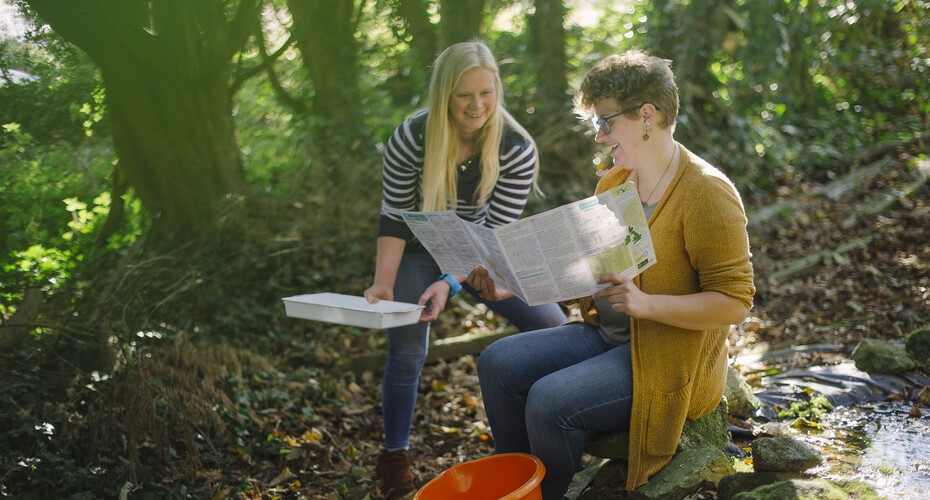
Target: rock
(740,398)
(611,476)
(608,445)
(689,471)
(601,494)
(797,489)
(917,344)
(879,356)
(735,451)
(859,490)
(699,460)
(783,454)
(708,431)
(732,485)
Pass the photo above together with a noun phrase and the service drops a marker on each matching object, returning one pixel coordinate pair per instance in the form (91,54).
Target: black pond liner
(842,384)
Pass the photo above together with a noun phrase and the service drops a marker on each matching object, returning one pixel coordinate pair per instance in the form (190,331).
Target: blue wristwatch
(454,285)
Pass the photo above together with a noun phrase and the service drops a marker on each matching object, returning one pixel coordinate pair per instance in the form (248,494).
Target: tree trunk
(325,34)
(165,67)
(461,20)
(800,84)
(176,143)
(547,36)
(15,332)
(425,39)
(692,47)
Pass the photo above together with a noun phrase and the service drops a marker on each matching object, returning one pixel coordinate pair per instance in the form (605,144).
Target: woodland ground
(879,289)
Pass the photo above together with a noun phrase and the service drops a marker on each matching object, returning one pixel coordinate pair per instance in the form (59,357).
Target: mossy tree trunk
(166,68)
(424,34)
(461,20)
(324,31)
(547,37)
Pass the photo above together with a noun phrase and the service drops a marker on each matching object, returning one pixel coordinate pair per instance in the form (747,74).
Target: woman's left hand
(624,296)
(434,298)
(481,281)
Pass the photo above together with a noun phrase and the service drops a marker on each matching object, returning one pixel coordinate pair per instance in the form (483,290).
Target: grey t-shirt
(614,327)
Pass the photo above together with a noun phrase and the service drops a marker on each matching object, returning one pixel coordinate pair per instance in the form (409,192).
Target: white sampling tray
(351,310)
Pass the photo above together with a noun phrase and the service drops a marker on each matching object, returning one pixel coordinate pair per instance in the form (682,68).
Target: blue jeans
(407,345)
(543,389)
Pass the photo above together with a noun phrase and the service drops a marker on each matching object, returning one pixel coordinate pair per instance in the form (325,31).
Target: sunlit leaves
(93,111)
(84,218)
(44,265)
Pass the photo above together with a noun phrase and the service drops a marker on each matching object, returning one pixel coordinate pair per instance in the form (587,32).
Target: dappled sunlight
(162,189)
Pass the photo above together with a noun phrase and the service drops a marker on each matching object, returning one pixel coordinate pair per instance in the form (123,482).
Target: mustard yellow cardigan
(699,232)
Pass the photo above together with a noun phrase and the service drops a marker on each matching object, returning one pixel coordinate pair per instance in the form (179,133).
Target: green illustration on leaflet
(612,260)
(632,214)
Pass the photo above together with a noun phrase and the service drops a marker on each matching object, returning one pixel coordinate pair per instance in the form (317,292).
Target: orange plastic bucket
(509,476)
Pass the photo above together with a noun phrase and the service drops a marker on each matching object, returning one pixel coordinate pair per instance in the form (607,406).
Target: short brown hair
(631,78)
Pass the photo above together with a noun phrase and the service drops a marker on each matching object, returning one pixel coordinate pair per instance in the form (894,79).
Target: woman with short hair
(652,350)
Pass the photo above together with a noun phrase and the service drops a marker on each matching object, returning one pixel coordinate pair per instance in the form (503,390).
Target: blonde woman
(465,153)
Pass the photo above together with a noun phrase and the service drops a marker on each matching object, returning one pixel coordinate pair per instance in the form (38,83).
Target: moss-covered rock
(689,471)
(701,444)
(880,356)
(783,454)
(708,431)
(730,486)
(740,398)
(917,344)
(796,489)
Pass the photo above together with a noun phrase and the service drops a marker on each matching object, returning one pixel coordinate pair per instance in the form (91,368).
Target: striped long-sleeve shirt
(402,178)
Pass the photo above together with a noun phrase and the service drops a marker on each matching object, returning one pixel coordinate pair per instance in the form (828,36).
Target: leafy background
(165,367)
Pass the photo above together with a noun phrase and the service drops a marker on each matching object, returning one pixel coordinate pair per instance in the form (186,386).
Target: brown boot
(396,477)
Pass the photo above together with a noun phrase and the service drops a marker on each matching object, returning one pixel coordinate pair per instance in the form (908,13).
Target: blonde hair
(442,148)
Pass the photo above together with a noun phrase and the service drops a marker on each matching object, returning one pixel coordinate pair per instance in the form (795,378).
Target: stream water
(878,444)
(868,437)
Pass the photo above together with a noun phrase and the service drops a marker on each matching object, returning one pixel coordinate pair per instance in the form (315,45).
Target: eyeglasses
(601,125)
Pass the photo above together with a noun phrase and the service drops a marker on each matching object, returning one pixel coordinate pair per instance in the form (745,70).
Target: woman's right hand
(481,281)
(378,292)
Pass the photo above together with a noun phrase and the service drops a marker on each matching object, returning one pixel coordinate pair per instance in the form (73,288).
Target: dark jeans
(543,389)
(407,345)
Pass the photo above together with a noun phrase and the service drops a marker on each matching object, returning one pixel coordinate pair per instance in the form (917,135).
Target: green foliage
(759,95)
(51,205)
(35,459)
(774,92)
(61,100)
(53,168)
(163,412)
(812,410)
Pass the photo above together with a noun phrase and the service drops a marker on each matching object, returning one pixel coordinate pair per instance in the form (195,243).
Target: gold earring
(646,136)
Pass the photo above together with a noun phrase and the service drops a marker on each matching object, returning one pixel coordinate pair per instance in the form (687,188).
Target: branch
(242,24)
(267,66)
(100,28)
(267,61)
(117,207)
(297,105)
(876,151)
